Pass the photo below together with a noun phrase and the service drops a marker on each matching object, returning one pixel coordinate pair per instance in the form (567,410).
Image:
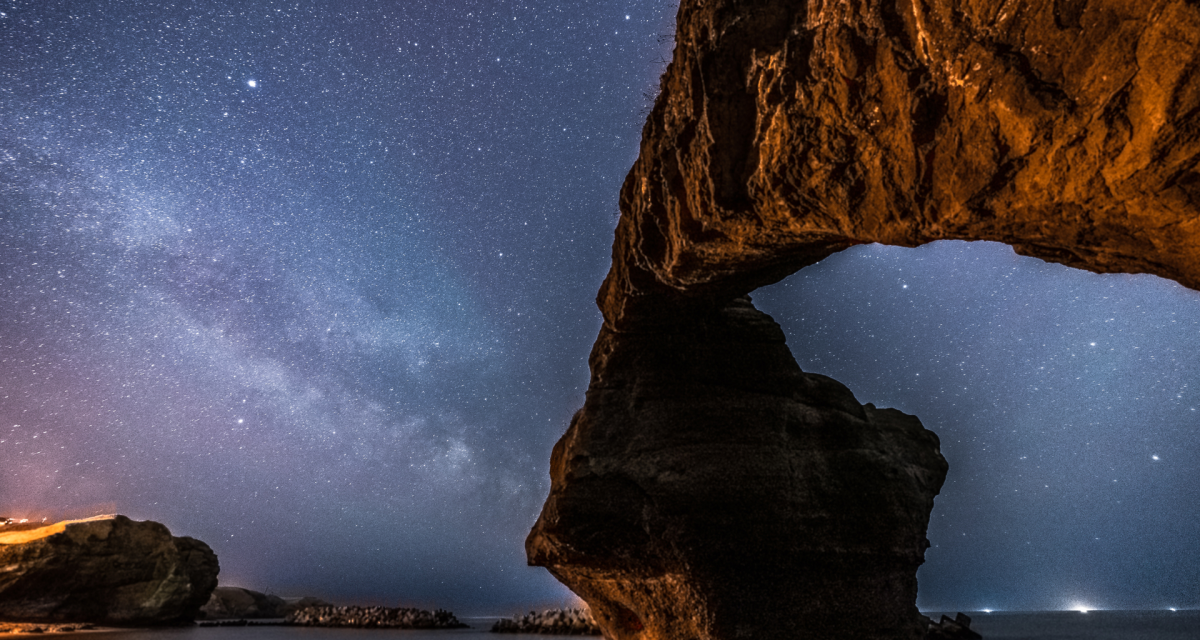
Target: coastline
(27,628)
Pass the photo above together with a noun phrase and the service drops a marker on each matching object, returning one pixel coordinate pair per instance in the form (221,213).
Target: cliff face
(108,570)
(710,489)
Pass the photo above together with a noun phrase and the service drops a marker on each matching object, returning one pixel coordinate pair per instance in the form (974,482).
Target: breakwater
(373,617)
(573,622)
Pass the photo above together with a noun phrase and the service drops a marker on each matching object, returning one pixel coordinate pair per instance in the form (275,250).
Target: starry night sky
(313,282)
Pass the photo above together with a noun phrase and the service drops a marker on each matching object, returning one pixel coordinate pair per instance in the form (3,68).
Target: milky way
(313,282)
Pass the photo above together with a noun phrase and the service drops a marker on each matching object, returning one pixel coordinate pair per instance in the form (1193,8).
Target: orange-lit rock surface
(708,488)
(103,570)
(788,130)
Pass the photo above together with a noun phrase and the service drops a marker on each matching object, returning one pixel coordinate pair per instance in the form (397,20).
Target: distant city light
(1080,607)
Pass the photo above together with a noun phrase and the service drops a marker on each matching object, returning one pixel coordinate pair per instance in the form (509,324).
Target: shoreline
(51,628)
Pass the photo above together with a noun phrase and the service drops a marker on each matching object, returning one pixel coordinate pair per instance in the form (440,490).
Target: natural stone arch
(708,485)
(789,130)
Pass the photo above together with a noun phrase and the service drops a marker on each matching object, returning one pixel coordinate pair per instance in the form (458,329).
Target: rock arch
(708,486)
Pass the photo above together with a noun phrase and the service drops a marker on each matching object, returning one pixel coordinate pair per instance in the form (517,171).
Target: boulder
(105,570)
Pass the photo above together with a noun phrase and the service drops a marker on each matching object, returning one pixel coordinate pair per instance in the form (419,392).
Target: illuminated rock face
(108,570)
(788,130)
(708,488)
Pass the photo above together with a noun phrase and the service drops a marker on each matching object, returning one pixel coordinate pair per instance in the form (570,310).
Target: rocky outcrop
(106,570)
(238,603)
(559,622)
(373,618)
(708,488)
(711,489)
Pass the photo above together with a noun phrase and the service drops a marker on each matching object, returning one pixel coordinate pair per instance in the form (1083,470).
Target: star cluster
(313,281)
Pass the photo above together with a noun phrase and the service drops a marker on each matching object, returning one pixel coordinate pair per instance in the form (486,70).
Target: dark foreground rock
(562,622)
(373,617)
(108,570)
(238,603)
(711,489)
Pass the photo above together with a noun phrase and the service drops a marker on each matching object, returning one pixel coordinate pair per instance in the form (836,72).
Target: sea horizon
(1100,624)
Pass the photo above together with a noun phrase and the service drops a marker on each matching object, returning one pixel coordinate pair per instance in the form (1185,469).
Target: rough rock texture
(788,130)
(106,570)
(710,489)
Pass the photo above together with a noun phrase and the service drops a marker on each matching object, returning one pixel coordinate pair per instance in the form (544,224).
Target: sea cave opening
(1067,403)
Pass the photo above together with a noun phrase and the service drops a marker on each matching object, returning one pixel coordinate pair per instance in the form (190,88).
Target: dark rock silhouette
(239,603)
(708,485)
(235,602)
(107,570)
(958,628)
(708,488)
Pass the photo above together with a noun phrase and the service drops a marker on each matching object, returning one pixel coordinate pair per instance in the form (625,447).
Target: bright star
(252,83)
(1154,457)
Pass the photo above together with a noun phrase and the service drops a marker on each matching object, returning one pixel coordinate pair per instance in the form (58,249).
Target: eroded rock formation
(788,130)
(708,488)
(711,489)
(107,570)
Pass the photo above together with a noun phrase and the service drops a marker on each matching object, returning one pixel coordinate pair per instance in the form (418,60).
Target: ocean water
(1093,625)
(1044,625)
